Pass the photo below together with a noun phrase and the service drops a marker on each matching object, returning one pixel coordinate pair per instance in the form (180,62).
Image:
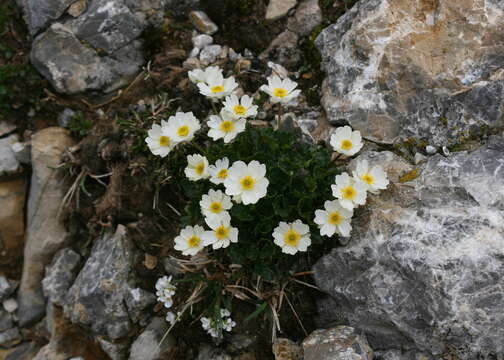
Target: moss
(410,176)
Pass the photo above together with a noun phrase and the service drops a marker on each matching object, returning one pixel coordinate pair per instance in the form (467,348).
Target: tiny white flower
(219,171)
(198,75)
(225,313)
(197,167)
(214,206)
(346,142)
(248,181)
(225,126)
(182,126)
(280,90)
(190,240)
(334,219)
(292,237)
(171,318)
(374,179)
(228,324)
(350,193)
(222,234)
(159,142)
(205,323)
(240,108)
(165,291)
(215,86)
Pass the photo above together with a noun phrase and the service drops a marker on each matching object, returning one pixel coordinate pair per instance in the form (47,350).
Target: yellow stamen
(222,232)
(164,141)
(240,110)
(280,92)
(368,178)
(227,126)
(183,131)
(292,238)
(200,168)
(194,241)
(346,144)
(216,207)
(222,174)
(217,89)
(335,218)
(349,193)
(247,183)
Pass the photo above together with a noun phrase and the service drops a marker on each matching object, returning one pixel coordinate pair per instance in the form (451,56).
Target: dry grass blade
(306,284)
(295,314)
(72,191)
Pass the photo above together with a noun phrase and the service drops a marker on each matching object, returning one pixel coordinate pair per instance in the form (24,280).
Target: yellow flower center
(368,178)
(164,141)
(194,241)
(240,110)
(247,183)
(335,218)
(280,92)
(222,174)
(222,232)
(346,144)
(216,207)
(217,89)
(349,193)
(200,168)
(292,238)
(227,126)
(183,131)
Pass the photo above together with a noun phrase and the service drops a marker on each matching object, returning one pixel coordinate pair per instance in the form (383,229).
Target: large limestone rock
(45,233)
(428,69)
(425,263)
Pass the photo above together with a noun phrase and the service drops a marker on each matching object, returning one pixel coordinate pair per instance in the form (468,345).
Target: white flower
(165,291)
(171,318)
(333,219)
(222,234)
(280,90)
(182,126)
(248,181)
(219,171)
(159,143)
(292,237)
(345,141)
(224,313)
(228,324)
(190,240)
(197,167)
(214,206)
(350,193)
(225,126)
(215,86)
(240,108)
(374,179)
(198,75)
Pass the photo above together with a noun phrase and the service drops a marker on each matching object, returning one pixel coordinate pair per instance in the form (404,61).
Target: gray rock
(430,149)
(6,128)
(400,355)
(207,352)
(202,40)
(209,54)
(8,161)
(65,117)
(137,301)
(60,275)
(395,70)
(98,296)
(25,351)
(6,288)
(115,350)
(45,233)
(72,67)
(40,13)
(22,152)
(339,343)
(306,18)
(146,346)
(6,321)
(279,8)
(284,50)
(424,266)
(286,349)
(203,23)
(10,305)
(11,337)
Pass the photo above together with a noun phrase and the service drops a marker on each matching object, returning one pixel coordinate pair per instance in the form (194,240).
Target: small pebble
(233,55)
(202,40)
(10,305)
(191,64)
(202,22)
(209,54)
(430,149)
(194,52)
(419,158)
(446,152)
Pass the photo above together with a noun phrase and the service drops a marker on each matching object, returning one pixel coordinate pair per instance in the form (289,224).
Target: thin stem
(197,147)
(213,107)
(280,115)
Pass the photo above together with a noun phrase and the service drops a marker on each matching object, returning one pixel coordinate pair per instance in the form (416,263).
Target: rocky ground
(80,80)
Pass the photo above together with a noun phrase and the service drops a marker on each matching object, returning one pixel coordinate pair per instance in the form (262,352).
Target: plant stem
(280,115)
(213,107)
(197,147)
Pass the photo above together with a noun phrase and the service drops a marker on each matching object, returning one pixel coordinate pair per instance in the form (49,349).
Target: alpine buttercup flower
(215,86)
(182,126)
(225,126)
(374,178)
(350,193)
(214,206)
(158,141)
(190,240)
(197,167)
(292,237)
(280,90)
(334,219)
(345,141)
(219,171)
(247,180)
(222,234)
(240,108)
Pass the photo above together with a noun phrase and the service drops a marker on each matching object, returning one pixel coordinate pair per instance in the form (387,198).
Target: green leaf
(257,311)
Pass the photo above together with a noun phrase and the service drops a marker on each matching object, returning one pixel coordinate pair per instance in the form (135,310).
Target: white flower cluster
(165,291)
(214,327)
